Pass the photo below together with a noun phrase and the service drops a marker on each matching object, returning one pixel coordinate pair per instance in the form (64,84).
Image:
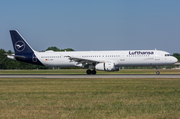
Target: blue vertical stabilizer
(23,51)
(19,44)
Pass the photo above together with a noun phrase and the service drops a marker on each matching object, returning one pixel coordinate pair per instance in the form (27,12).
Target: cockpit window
(167,55)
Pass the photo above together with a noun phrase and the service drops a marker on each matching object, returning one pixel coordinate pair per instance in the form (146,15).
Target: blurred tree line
(6,63)
(177,55)
(54,48)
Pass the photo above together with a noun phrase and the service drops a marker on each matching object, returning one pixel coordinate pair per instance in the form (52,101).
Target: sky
(92,25)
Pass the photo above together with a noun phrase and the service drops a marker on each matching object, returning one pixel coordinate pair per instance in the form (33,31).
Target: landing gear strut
(89,72)
(157,72)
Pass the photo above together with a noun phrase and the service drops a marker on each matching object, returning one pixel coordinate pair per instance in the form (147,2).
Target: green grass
(83,71)
(89,98)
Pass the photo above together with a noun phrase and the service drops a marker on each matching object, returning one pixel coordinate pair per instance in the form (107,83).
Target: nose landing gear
(157,72)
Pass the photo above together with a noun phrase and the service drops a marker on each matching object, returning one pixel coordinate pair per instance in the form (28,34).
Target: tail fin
(19,44)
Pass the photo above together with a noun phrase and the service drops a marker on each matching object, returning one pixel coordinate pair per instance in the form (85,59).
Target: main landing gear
(157,72)
(89,72)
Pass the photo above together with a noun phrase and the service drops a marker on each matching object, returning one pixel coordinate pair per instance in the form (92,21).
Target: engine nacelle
(106,67)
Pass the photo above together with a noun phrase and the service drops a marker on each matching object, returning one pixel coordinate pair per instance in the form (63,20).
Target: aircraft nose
(175,59)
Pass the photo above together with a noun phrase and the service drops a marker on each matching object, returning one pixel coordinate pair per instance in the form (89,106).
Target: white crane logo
(19,46)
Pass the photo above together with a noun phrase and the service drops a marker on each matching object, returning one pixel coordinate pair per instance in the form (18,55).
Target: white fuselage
(119,58)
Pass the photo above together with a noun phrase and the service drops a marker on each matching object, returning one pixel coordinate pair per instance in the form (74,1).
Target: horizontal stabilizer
(18,56)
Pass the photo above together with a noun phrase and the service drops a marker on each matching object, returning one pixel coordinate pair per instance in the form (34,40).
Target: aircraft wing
(84,60)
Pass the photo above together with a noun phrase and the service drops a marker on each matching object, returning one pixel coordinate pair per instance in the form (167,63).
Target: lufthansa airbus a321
(93,60)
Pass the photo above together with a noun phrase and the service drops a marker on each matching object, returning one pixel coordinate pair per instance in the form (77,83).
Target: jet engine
(106,67)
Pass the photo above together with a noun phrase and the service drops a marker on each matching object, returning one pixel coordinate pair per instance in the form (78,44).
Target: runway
(90,76)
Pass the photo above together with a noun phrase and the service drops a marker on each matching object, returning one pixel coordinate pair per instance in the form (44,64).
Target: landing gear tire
(157,72)
(93,72)
(89,72)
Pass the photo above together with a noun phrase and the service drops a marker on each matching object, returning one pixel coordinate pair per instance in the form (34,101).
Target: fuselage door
(157,55)
(122,58)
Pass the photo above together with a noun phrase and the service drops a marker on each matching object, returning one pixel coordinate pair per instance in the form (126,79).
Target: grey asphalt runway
(92,76)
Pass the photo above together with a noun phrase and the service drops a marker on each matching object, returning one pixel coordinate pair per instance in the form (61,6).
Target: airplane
(92,60)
